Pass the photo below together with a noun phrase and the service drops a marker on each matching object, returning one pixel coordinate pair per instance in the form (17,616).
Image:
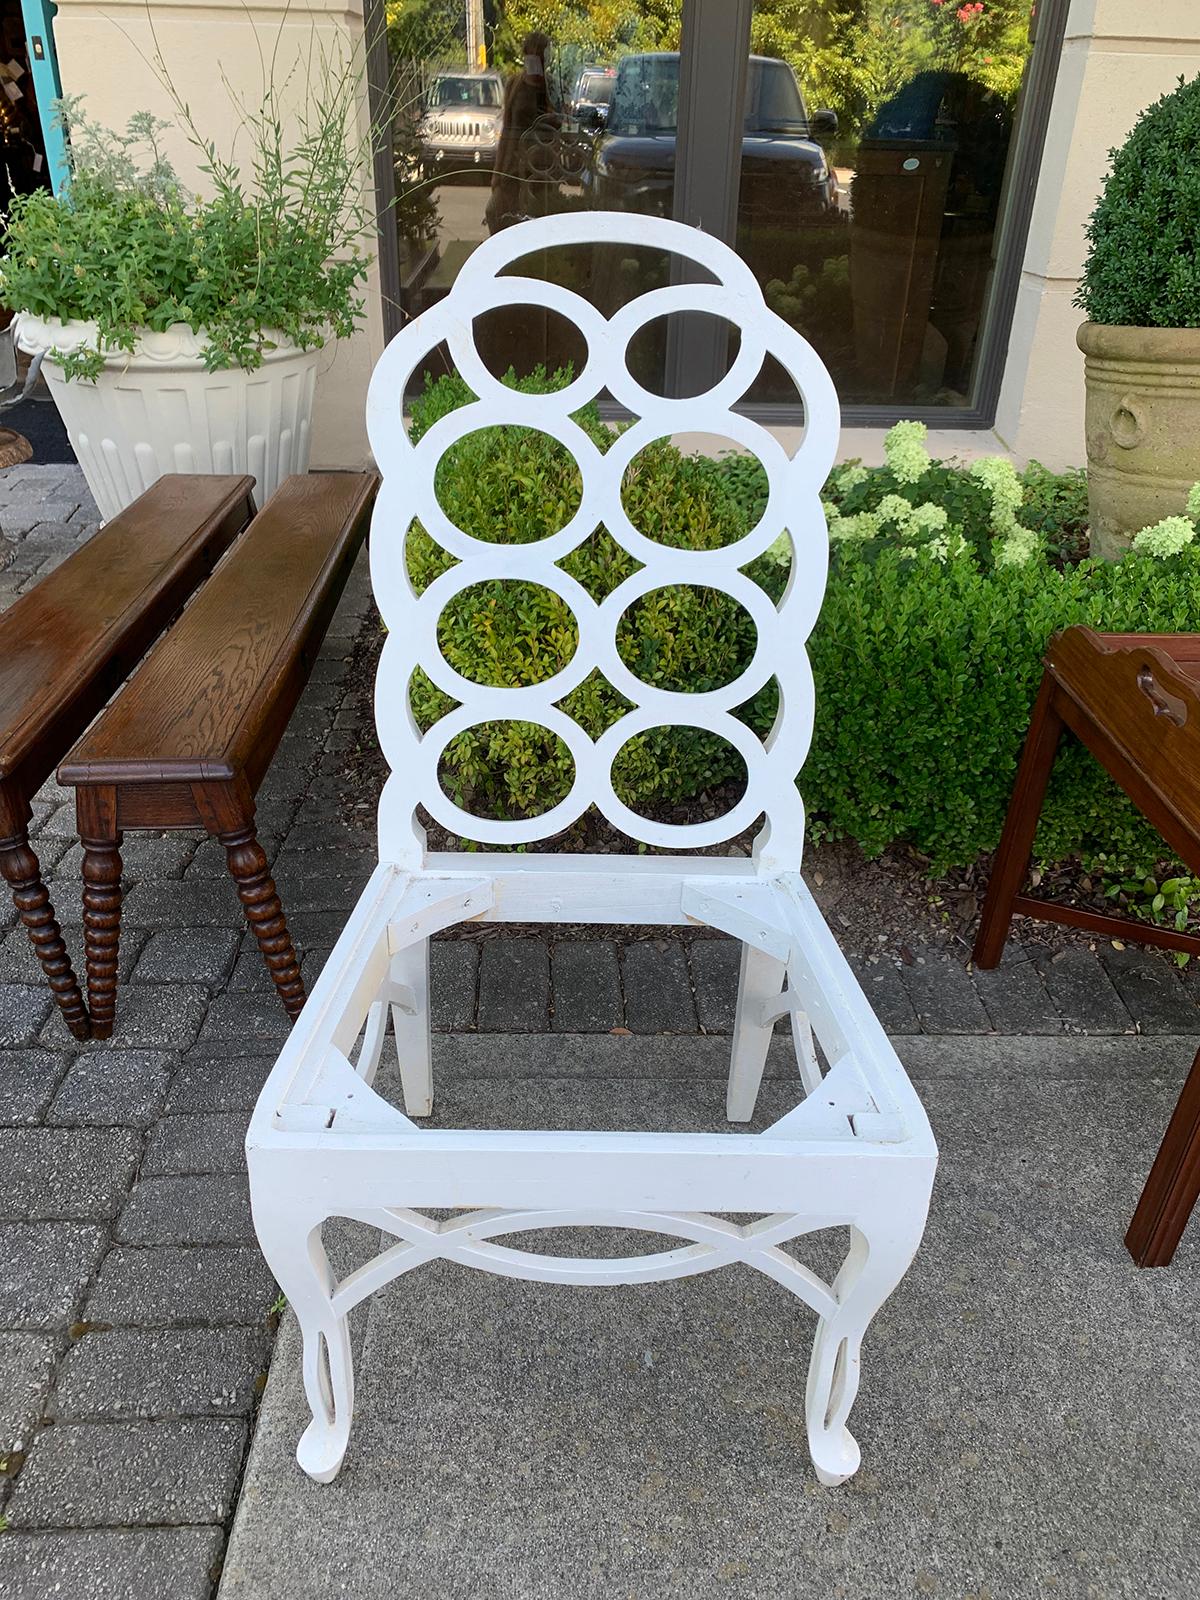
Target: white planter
(156,410)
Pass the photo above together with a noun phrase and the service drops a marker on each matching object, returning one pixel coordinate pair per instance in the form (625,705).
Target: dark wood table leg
(1173,1186)
(1020,825)
(96,811)
(22,872)
(256,889)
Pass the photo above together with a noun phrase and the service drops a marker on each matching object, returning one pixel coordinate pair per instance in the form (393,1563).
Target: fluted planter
(1142,424)
(156,409)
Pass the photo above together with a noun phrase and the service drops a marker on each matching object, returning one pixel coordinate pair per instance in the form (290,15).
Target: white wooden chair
(856,1151)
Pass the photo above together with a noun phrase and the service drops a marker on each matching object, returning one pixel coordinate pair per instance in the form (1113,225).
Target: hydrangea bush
(917,502)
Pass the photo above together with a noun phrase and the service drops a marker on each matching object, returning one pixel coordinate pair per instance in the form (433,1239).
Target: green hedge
(926,654)
(926,673)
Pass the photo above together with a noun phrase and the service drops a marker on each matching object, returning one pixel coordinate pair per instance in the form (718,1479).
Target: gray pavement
(1029,1415)
(136,1314)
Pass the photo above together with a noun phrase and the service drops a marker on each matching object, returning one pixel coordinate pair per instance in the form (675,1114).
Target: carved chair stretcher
(856,1152)
(1133,700)
(189,739)
(68,643)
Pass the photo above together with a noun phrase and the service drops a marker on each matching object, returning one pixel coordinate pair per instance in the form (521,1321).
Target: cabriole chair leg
(296,1255)
(879,1255)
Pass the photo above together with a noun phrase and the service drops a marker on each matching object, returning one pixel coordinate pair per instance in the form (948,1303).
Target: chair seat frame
(855,1152)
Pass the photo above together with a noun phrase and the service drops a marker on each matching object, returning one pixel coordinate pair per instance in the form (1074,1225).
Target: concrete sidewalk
(1029,1415)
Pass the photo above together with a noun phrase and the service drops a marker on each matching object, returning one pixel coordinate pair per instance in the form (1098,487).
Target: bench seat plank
(198,707)
(68,643)
(188,740)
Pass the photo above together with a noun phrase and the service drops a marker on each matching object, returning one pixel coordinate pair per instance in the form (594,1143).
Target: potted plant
(182,332)
(1141,342)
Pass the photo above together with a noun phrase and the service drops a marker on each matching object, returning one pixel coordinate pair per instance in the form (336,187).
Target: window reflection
(486,144)
(875,140)
(916,128)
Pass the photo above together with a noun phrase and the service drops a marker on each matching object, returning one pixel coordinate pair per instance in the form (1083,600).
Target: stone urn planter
(1142,423)
(156,409)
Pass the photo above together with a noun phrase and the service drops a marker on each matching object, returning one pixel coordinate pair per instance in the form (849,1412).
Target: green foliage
(1172,902)
(964,499)
(849,55)
(1055,506)
(1143,265)
(583,31)
(128,248)
(1051,508)
(854,55)
(926,673)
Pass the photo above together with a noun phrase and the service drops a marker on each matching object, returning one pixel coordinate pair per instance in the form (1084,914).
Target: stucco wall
(105,51)
(1118,57)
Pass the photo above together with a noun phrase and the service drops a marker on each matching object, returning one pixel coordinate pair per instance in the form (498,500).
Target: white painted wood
(759,984)
(410,1024)
(856,1152)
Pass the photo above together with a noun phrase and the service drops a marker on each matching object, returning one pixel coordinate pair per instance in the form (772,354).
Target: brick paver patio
(136,1315)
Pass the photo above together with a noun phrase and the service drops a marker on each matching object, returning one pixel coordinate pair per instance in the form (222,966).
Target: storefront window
(873,225)
(870,145)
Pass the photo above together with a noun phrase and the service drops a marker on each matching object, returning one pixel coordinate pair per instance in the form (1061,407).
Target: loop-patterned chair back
(793,508)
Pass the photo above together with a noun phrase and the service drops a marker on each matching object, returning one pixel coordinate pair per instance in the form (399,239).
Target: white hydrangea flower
(850,476)
(780,551)
(1193,503)
(1165,538)
(894,508)
(929,518)
(865,525)
(1018,549)
(946,547)
(904,448)
(999,478)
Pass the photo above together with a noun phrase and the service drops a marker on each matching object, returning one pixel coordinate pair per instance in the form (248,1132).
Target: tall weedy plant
(275,249)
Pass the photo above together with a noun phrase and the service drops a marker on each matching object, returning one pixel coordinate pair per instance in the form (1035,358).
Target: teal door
(43,66)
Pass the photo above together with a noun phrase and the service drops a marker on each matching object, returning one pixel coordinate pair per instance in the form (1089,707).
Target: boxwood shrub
(1143,263)
(509,633)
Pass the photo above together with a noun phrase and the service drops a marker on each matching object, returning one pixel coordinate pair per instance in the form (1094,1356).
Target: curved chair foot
(874,1265)
(322,1449)
(296,1256)
(835,1456)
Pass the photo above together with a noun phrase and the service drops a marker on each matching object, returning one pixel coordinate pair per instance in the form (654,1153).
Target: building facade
(920,219)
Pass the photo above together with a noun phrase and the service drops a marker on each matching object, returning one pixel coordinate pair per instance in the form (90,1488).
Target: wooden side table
(1133,700)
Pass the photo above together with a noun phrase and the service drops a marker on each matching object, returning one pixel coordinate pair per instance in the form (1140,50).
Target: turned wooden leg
(1020,825)
(1173,1186)
(256,890)
(21,871)
(102,928)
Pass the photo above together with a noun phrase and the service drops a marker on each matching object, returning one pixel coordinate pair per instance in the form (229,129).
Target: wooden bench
(187,741)
(68,643)
(1133,700)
